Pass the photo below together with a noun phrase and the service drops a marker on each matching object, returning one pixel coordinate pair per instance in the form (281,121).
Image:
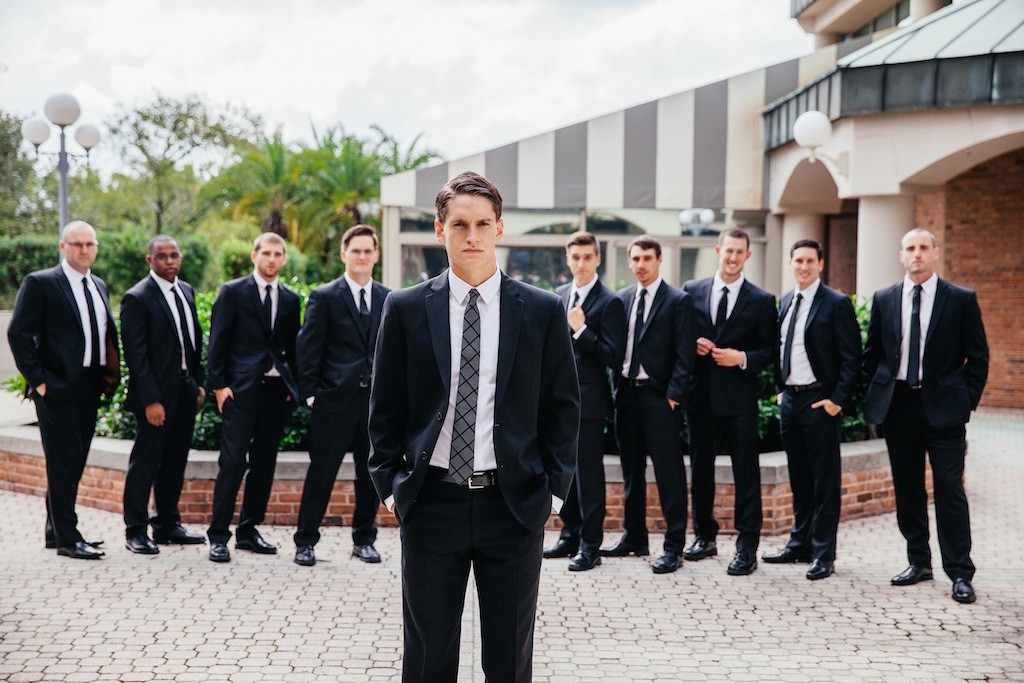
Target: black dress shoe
(219,552)
(177,535)
(585,560)
(963,591)
(141,545)
(561,548)
(666,564)
(700,549)
(745,562)
(786,556)
(51,543)
(256,544)
(81,551)
(911,575)
(367,553)
(820,569)
(624,548)
(305,556)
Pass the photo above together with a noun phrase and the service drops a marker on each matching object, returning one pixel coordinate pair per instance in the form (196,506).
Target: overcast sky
(468,74)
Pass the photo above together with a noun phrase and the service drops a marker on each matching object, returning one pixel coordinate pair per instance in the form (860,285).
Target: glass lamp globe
(35,131)
(88,136)
(62,109)
(812,129)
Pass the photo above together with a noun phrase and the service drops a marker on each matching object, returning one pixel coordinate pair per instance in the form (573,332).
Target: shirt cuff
(743,365)
(310,400)
(556,503)
(577,333)
(389,503)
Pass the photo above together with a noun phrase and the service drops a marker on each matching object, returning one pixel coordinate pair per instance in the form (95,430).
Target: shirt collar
(583,291)
(164,284)
(733,288)
(809,293)
(261,283)
(71,274)
(652,288)
(355,286)
(928,285)
(488,288)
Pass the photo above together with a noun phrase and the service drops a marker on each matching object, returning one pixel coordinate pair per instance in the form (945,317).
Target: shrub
(21,255)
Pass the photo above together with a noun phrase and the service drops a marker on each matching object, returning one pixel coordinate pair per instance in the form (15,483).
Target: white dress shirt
(800,372)
(716,297)
(168,290)
(75,279)
(355,288)
(652,290)
(927,302)
(584,292)
(275,296)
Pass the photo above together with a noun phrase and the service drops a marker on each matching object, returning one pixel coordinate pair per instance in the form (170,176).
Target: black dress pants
(452,528)
(584,508)
(645,425)
(330,435)
(251,428)
(706,430)
(157,464)
(908,437)
(66,428)
(811,438)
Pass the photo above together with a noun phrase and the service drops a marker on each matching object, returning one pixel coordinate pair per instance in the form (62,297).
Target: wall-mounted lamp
(811,130)
(696,222)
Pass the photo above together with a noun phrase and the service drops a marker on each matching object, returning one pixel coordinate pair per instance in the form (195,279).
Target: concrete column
(825,39)
(391,248)
(919,9)
(798,226)
(881,223)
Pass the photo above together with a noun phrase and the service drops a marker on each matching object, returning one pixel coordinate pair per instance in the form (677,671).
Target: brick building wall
(979,220)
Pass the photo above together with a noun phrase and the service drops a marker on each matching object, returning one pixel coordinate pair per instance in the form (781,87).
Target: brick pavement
(177,616)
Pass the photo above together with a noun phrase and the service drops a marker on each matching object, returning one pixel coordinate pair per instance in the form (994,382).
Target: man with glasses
(64,342)
(162,347)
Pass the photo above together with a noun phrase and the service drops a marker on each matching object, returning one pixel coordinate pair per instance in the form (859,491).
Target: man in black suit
(925,364)
(651,387)
(598,323)
(474,412)
(335,359)
(64,342)
(251,360)
(817,361)
(162,348)
(735,341)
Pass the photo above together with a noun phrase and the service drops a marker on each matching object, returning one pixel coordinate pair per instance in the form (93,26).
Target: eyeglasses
(82,245)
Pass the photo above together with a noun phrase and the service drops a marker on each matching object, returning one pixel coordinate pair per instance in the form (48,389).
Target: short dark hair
(159,239)
(582,238)
(808,244)
(467,183)
(359,230)
(645,242)
(736,233)
(268,237)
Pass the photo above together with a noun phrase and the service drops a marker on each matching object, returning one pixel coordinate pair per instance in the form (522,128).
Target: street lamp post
(62,110)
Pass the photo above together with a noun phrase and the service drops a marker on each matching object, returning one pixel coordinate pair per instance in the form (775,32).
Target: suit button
(439,418)
(423,455)
(496,425)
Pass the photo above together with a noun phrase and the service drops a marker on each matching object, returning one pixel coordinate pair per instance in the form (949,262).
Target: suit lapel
(592,296)
(153,288)
(65,286)
(350,305)
(440,332)
(511,317)
(787,301)
(564,296)
(741,301)
(659,299)
(819,296)
(376,308)
(941,293)
(254,296)
(897,313)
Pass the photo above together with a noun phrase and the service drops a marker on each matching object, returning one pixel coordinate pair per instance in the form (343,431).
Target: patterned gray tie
(460,463)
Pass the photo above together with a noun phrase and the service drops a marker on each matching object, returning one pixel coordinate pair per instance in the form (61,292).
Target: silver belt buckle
(470,482)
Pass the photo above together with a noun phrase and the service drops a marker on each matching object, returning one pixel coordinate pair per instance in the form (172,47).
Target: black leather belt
(637,382)
(184,373)
(797,388)
(912,387)
(477,480)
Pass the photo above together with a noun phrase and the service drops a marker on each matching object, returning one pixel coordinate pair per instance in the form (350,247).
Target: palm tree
(395,160)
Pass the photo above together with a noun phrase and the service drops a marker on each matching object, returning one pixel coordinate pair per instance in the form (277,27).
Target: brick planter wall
(867,486)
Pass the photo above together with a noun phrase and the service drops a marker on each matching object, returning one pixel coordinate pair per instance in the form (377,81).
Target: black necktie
(94,326)
(723,311)
(460,463)
(268,310)
(787,353)
(576,299)
(364,314)
(914,361)
(638,326)
(187,343)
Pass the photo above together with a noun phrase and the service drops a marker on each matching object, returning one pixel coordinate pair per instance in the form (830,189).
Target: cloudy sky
(468,74)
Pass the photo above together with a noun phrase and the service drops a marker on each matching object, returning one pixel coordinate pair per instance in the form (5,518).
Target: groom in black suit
(64,342)
(474,412)
(926,364)
(252,373)
(163,346)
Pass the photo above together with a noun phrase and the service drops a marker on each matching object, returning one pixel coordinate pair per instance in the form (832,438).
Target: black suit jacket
(242,348)
(536,403)
(601,346)
(151,348)
(47,339)
(666,343)
(732,391)
(832,341)
(955,366)
(333,355)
